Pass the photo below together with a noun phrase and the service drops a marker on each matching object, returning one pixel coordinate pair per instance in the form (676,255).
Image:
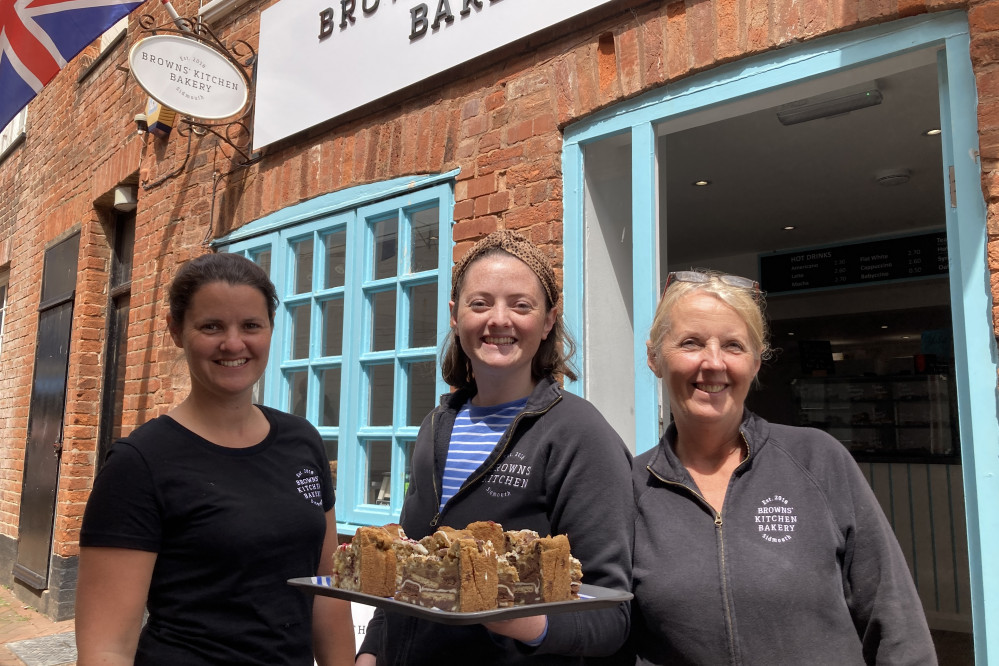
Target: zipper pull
(718,520)
(437,517)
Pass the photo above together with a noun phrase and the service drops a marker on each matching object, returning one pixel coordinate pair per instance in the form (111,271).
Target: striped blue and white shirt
(476,431)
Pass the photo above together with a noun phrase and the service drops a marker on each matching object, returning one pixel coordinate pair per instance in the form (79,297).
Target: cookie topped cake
(479,567)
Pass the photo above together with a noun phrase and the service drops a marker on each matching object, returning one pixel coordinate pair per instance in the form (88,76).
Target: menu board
(903,258)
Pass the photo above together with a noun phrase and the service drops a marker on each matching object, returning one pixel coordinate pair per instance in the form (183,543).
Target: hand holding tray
(591,597)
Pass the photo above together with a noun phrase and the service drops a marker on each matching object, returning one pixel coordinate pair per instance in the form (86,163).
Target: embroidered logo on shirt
(776,520)
(509,474)
(307,481)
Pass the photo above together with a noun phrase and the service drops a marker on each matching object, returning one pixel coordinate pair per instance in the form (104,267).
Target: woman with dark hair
(200,516)
(511,446)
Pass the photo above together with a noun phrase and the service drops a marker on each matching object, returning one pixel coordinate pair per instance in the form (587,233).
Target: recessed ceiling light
(701,183)
(790,332)
(905,337)
(932,132)
(789,227)
(884,325)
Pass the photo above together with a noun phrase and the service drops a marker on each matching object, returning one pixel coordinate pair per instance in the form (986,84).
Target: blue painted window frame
(971,299)
(354,212)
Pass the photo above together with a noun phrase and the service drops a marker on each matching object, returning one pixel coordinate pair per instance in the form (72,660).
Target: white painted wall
(606,353)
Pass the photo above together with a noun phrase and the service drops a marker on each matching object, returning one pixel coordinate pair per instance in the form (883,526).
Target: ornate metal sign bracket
(235,132)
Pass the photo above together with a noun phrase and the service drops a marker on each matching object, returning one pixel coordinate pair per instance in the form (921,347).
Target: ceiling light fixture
(932,132)
(701,183)
(789,227)
(793,115)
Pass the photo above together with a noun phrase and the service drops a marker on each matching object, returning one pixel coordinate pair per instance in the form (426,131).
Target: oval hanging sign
(188,76)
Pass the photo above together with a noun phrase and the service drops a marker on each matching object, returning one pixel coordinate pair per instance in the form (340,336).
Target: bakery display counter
(899,418)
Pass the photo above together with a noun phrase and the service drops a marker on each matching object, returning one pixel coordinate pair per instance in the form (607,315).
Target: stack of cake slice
(369,563)
(480,567)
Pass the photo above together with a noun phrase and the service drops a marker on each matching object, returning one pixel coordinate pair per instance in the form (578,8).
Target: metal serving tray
(591,597)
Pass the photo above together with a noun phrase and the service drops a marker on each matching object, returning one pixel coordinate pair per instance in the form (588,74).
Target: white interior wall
(606,351)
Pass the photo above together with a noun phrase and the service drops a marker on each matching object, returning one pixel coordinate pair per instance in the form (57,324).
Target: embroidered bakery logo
(508,475)
(776,520)
(308,485)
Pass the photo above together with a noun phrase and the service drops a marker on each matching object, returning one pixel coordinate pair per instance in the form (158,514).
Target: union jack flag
(38,38)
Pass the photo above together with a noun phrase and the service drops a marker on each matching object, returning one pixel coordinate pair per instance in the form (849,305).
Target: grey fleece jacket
(558,469)
(801,566)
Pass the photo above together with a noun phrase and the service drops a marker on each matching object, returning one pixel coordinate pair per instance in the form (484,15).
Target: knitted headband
(517,245)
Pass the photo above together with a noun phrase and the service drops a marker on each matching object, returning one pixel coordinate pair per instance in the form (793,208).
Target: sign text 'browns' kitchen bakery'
(319,60)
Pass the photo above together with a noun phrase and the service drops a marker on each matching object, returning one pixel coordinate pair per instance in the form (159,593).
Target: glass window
(115,345)
(362,307)
(423,306)
(111,34)
(336,258)
(4,281)
(383,320)
(379,472)
(384,257)
(333,327)
(13,131)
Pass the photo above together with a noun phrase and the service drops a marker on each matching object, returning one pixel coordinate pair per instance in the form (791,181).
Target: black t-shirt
(230,527)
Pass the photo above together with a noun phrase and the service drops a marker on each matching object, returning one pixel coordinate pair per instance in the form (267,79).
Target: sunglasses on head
(698,277)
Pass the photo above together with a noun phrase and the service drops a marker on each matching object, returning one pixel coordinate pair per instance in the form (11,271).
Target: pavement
(28,638)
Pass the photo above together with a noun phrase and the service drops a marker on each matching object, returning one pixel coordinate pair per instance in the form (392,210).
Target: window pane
(300,330)
(59,274)
(383,321)
(382,388)
(408,467)
(332,453)
(258,390)
(422,396)
(423,316)
(299,383)
(425,229)
(333,327)
(3,304)
(121,265)
(329,380)
(386,239)
(111,33)
(262,259)
(118,365)
(303,266)
(379,472)
(336,258)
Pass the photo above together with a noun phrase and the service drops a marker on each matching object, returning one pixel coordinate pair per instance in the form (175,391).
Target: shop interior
(861,337)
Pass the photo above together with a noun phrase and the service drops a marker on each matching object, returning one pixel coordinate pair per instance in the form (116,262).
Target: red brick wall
(499,122)
(983,18)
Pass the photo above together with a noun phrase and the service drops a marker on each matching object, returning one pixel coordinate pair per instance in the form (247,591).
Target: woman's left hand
(523,629)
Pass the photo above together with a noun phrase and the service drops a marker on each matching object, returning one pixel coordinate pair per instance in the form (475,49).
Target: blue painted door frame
(971,301)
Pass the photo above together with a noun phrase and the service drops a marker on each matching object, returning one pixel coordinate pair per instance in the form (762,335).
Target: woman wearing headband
(755,543)
(509,445)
